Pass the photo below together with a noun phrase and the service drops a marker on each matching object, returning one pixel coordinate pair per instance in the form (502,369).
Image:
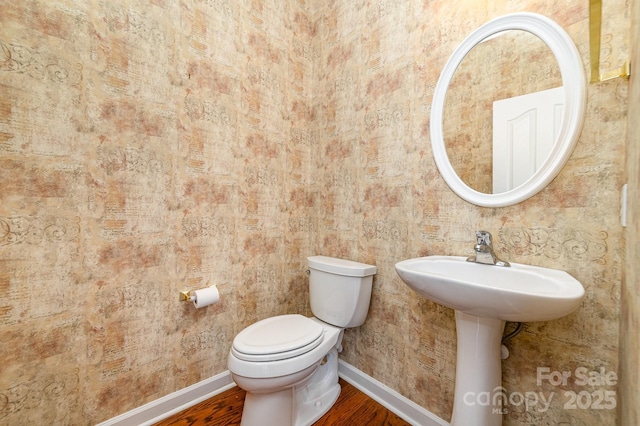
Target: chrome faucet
(484,251)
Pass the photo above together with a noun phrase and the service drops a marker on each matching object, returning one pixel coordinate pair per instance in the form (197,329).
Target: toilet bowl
(288,364)
(300,384)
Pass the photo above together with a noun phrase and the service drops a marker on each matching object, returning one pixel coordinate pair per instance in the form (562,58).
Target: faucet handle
(483,238)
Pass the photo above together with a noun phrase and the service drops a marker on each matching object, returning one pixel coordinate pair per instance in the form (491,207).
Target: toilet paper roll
(205,297)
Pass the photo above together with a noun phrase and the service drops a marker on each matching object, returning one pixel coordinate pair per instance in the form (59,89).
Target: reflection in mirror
(506,65)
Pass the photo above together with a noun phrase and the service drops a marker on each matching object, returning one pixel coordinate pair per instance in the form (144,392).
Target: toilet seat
(277,338)
(331,335)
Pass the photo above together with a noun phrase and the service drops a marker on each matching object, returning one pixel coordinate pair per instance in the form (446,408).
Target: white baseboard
(387,397)
(166,406)
(175,402)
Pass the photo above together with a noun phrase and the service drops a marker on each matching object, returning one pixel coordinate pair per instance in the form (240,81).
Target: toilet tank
(340,290)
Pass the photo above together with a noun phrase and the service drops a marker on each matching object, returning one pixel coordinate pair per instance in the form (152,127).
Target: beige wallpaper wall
(386,202)
(148,147)
(630,294)
(145,148)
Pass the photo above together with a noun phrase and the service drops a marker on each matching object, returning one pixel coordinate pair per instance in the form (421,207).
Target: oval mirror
(508,109)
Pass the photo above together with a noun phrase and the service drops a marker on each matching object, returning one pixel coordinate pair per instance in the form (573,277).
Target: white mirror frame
(574,83)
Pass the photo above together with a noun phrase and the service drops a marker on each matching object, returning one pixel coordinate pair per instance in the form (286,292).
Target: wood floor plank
(353,408)
(349,404)
(356,408)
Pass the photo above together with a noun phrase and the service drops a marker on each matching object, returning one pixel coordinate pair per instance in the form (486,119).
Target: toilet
(288,364)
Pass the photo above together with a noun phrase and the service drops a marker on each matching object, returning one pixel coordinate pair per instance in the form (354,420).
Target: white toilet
(288,364)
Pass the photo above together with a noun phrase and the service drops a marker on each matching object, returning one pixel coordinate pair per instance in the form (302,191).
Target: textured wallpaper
(386,202)
(630,294)
(145,148)
(149,147)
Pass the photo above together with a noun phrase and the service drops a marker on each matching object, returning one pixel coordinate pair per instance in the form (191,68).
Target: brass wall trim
(595,29)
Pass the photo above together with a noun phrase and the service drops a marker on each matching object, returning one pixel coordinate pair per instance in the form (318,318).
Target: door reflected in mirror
(505,66)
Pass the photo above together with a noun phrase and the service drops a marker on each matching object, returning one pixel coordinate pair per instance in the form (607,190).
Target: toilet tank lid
(340,266)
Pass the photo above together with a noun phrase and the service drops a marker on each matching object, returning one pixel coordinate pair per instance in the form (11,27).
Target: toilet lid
(276,338)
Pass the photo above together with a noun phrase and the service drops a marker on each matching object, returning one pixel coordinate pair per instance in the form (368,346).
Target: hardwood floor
(353,408)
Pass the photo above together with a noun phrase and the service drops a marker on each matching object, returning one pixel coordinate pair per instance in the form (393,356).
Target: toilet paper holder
(186,296)
(201,298)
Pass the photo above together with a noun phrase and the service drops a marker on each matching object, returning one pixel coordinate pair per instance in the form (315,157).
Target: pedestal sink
(484,297)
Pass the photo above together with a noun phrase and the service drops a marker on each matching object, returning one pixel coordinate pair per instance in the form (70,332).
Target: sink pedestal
(478,393)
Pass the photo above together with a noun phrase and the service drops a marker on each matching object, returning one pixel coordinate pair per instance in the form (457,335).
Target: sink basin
(519,293)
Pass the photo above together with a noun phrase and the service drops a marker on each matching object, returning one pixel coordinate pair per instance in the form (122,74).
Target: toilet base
(308,413)
(318,396)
